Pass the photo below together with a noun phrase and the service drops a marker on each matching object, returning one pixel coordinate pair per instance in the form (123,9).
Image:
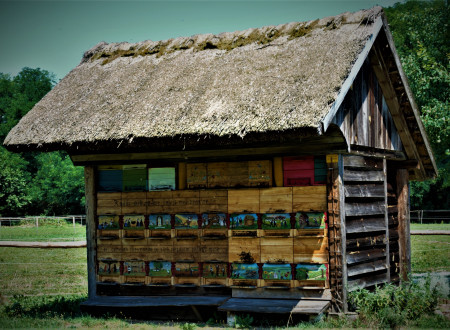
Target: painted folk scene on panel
(134,268)
(160,268)
(186,221)
(135,222)
(244,221)
(159,221)
(276,221)
(108,222)
(214,221)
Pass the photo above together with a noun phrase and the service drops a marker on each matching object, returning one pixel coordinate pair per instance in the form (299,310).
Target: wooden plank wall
(364,116)
(366,222)
(134,247)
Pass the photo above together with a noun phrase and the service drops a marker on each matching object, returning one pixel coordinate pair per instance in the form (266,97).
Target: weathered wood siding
(367,235)
(364,116)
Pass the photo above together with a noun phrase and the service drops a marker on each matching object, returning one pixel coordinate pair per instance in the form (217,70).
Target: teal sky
(53,35)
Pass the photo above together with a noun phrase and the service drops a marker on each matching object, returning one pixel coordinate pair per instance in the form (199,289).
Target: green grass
(430,253)
(428,226)
(45,286)
(30,271)
(47,232)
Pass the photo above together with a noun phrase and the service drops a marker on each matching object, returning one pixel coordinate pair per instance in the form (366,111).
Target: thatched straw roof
(271,79)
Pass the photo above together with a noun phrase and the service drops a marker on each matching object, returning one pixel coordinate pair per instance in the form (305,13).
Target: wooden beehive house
(257,171)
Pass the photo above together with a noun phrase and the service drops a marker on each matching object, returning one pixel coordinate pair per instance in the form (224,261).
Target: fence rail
(11,221)
(430,216)
(43,228)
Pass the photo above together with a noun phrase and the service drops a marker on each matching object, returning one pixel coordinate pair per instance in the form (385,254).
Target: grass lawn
(430,253)
(432,226)
(44,287)
(30,271)
(53,232)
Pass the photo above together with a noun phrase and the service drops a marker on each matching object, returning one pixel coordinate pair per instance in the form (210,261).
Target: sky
(53,35)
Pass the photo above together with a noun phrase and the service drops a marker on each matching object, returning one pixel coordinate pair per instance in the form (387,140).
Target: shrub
(392,305)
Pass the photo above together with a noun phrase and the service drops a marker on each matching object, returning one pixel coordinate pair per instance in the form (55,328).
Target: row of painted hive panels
(212,272)
(238,221)
(250,200)
(297,171)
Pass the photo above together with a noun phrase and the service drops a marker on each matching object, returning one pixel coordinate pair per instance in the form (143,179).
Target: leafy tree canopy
(34,183)
(421,34)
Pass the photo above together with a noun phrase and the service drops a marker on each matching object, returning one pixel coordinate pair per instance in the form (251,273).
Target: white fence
(430,216)
(12,221)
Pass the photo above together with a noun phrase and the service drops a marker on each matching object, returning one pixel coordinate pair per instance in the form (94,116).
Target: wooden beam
(90,195)
(343,232)
(386,221)
(403,226)
(352,75)
(315,146)
(182,176)
(278,171)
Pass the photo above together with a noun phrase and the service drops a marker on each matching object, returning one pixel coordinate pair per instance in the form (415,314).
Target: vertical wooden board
(243,201)
(227,174)
(186,249)
(134,178)
(182,176)
(161,178)
(312,198)
(213,201)
(214,250)
(91,203)
(403,223)
(260,173)
(110,179)
(277,249)
(277,199)
(310,249)
(320,170)
(244,249)
(278,171)
(196,175)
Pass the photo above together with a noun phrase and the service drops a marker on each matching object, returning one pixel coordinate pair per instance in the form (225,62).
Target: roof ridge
(227,40)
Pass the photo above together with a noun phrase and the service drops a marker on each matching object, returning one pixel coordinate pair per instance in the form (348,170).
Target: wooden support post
(386,222)
(403,223)
(343,232)
(182,176)
(278,171)
(89,180)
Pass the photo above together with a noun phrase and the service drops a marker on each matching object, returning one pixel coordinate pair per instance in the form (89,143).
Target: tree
(421,33)
(31,182)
